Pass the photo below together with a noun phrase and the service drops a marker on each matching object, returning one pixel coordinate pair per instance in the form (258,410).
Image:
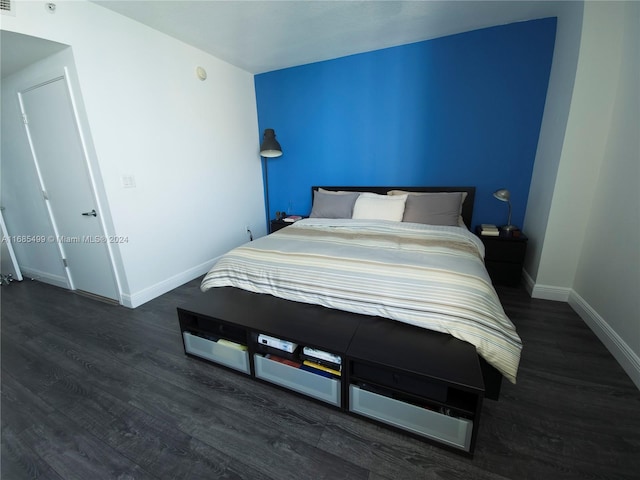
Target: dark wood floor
(93,391)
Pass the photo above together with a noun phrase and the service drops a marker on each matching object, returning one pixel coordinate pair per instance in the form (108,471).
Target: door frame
(63,73)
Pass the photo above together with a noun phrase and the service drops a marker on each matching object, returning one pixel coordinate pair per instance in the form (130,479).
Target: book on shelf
(292,218)
(321,367)
(285,361)
(231,344)
(317,371)
(321,354)
(320,361)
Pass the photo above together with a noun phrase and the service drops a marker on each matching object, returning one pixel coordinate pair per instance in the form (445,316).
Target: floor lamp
(270,148)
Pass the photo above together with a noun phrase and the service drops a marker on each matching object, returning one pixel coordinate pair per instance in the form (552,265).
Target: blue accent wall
(458,110)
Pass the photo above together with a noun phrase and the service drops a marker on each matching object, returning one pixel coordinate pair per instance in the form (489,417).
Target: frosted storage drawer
(452,431)
(222,354)
(316,386)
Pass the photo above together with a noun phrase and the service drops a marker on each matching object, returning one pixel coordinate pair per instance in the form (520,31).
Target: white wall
(607,279)
(552,132)
(192,146)
(588,254)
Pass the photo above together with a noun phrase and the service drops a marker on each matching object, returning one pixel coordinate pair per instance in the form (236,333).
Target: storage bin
(452,431)
(308,383)
(223,354)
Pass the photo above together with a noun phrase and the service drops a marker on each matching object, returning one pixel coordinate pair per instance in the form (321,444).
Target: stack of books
(311,360)
(321,360)
(489,230)
(320,369)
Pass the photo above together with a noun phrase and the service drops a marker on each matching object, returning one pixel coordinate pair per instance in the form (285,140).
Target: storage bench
(426,383)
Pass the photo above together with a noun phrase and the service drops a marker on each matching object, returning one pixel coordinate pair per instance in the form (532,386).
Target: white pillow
(370,206)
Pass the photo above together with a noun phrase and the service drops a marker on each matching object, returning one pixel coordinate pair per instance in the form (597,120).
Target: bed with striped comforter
(424,275)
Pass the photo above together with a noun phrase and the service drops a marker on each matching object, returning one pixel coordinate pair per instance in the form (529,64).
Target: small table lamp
(504,196)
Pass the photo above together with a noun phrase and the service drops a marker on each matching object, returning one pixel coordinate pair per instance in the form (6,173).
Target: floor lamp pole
(266,188)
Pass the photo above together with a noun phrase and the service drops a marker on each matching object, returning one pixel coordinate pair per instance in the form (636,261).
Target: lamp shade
(270,147)
(502,194)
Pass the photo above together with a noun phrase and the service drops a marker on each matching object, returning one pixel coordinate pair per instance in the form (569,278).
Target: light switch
(128,181)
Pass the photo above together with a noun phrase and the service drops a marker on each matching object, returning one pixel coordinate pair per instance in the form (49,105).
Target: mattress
(424,275)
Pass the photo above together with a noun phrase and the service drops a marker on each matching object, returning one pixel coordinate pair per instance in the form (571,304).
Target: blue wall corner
(458,110)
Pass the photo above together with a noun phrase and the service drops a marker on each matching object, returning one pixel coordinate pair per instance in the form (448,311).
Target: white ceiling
(261,36)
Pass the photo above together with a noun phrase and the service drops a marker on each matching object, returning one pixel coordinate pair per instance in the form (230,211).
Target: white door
(9,267)
(61,161)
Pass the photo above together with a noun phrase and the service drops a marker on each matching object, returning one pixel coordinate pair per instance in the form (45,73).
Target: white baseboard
(143,296)
(545,292)
(623,354)
(44,277)
(626,357)
(529,284)
(548,292)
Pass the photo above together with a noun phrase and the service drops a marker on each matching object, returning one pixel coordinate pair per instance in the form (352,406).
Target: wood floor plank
(162,450)
(395,455)
(277,439)
(184,381)
(33,371)
(74,453)
(21,407)
(91,390)
(239,393)
(187,411)
(19,461)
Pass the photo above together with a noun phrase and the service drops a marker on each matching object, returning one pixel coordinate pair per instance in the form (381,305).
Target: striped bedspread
(429,276)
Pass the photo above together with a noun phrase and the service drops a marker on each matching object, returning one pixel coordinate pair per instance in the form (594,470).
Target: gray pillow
(330,205)
(438,208)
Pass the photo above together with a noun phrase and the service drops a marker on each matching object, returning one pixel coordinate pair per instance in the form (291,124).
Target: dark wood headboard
(467,206)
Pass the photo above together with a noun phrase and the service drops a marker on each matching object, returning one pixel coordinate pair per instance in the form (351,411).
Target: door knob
(92,213)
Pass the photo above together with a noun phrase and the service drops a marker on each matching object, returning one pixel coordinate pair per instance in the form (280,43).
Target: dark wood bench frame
(415,365)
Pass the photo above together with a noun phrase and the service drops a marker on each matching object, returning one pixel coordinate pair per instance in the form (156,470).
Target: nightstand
(504,257)
(276,225)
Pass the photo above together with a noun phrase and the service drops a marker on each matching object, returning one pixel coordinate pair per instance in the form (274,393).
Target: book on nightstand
(489,230)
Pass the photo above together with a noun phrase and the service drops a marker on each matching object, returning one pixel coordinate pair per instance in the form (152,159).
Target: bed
(388,260)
